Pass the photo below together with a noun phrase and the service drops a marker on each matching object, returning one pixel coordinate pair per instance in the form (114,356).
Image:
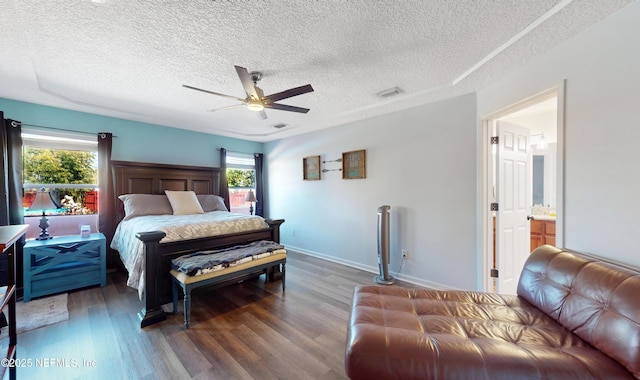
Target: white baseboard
(371,269)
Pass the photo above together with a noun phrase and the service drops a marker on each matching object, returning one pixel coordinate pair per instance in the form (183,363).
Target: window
(241,178)
(65,165)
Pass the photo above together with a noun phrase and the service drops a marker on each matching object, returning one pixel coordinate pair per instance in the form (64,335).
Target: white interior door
(513,179)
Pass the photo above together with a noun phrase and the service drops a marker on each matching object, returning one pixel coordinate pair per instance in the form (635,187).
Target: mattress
(176,228)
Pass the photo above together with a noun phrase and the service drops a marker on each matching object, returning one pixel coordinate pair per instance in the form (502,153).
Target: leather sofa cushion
(596,300)
(405,333)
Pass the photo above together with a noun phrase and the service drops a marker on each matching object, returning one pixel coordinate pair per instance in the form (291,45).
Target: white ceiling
(541,119)
(129,58)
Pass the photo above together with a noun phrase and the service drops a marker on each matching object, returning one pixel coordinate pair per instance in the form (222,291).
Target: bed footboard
(158,258)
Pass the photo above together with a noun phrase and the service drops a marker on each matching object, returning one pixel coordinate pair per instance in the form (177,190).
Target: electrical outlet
(405,254)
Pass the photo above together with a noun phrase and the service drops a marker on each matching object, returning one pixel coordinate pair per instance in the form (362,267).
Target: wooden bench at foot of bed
(158,256)
(223,277)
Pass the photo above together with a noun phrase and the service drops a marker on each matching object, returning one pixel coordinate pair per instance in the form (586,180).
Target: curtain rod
(17,123)
(235,151)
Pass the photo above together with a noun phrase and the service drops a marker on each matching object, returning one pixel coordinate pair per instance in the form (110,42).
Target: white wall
(602,160)
(426,163)
(420,161)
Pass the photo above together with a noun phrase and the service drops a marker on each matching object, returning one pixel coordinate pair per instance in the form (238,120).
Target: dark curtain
(106,201)
(12,172)
(224,186)
(11,187)
(4,207)
(259,184)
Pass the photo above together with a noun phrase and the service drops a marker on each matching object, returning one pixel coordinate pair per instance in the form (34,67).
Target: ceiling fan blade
(288,93)
(284,107)
(214,93)
(262,115)
(247,82)
(226,108)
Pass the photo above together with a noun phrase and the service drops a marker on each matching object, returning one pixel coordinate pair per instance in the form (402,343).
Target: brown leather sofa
(575,317)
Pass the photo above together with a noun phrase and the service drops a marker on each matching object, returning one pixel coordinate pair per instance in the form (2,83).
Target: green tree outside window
(241,178)
(55,166)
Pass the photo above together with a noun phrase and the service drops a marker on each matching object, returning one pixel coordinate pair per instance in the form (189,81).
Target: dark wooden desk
(9,235)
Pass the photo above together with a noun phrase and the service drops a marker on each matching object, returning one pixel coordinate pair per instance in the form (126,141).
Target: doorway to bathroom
(523,185)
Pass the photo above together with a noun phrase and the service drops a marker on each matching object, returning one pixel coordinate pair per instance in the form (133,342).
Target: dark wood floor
(246,331)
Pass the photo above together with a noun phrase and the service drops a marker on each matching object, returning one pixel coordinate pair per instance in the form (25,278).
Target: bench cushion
(202,262)
(186,279)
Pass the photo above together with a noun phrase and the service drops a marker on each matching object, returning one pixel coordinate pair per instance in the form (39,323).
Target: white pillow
(184,202)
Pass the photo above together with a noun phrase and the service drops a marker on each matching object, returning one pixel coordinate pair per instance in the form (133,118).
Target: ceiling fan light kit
(255,100)
(255,106)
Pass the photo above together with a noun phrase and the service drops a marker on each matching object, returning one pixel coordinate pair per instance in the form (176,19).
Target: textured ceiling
(130,58)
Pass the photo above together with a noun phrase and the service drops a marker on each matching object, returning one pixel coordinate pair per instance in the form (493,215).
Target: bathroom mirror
(544,176)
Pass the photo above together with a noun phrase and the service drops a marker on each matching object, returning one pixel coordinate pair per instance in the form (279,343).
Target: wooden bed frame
(148,178)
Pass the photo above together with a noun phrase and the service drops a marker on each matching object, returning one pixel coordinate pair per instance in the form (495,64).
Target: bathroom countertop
(543,217)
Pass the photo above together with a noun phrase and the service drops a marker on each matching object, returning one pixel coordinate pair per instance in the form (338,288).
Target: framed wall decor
(354,164)
(311,168)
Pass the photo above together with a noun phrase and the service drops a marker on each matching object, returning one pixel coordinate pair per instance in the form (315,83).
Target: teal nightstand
(63,263)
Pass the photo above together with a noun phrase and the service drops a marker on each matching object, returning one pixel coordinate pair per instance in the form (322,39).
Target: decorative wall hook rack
(331,170)
(337,160)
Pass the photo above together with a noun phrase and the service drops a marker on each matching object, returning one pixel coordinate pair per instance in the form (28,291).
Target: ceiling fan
(255,100)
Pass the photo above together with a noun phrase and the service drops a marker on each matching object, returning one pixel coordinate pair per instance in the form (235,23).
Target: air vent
(279,126)
(388,92)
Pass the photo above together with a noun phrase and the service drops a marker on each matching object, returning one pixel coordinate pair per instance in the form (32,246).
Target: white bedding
(177,227)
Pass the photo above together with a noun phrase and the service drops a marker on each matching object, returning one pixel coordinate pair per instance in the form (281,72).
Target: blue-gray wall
(134,141)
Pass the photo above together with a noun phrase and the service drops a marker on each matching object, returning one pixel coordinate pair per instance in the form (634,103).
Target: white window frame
(46,139)
(244,161)
(236,160)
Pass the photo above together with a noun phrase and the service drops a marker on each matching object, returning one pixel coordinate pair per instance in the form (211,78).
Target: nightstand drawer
(61,280)
(63,263)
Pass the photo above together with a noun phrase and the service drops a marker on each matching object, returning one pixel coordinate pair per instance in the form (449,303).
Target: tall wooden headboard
(148,178)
